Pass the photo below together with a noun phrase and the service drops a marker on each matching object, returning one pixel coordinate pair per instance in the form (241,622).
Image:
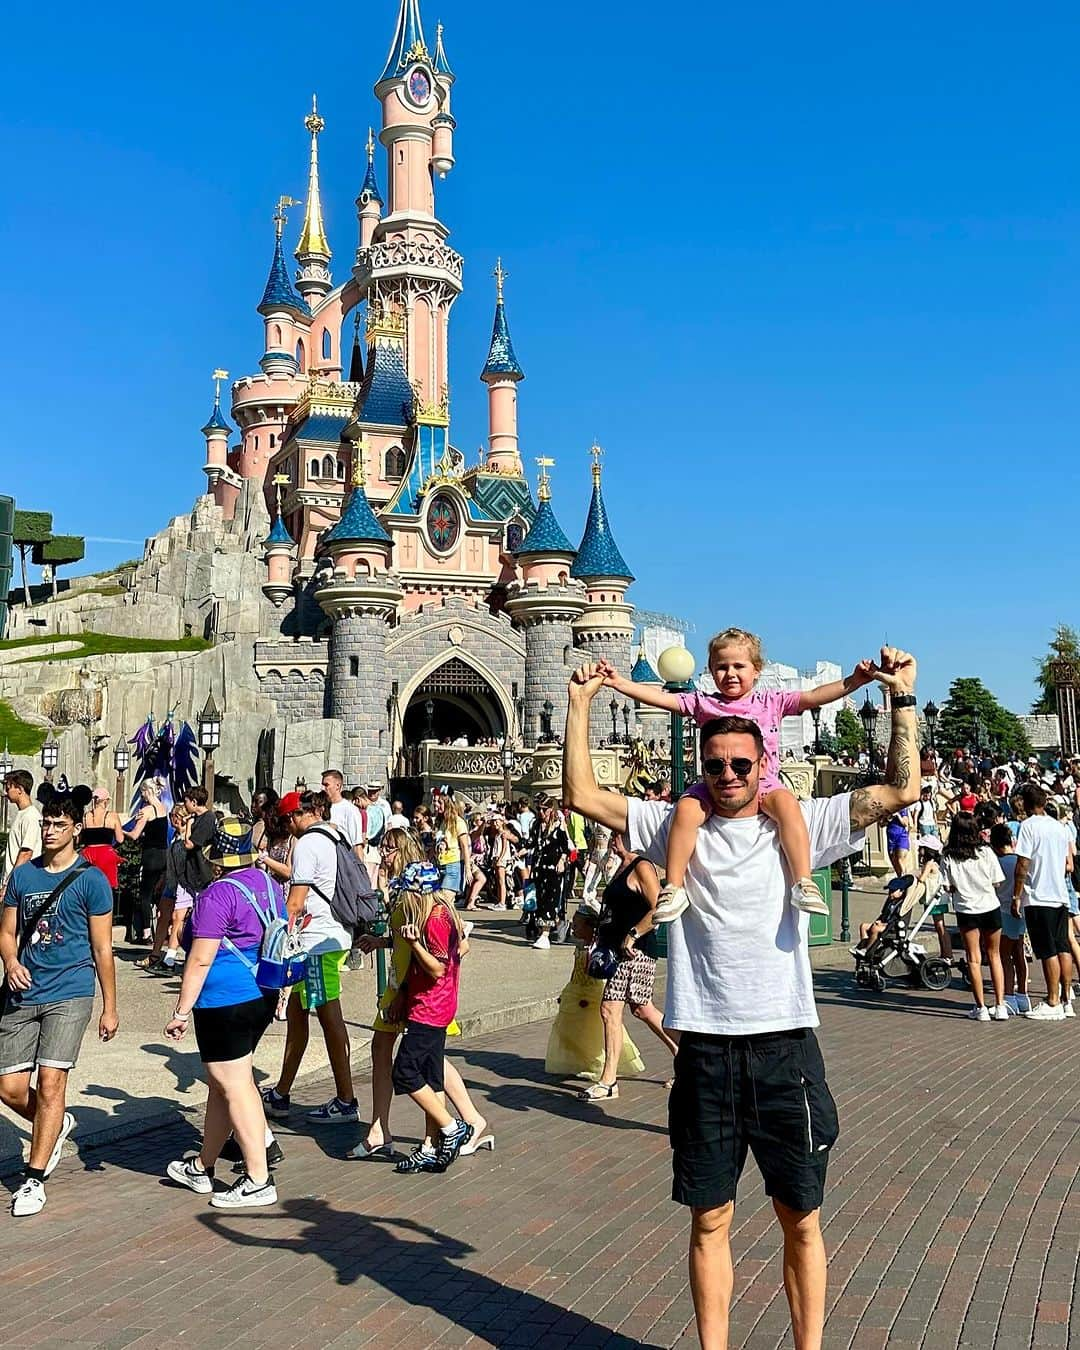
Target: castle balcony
(405,258)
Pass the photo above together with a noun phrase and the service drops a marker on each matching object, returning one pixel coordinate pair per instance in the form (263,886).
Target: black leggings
(142,917)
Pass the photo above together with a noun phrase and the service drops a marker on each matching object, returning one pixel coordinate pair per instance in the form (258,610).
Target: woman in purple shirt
(231,1013)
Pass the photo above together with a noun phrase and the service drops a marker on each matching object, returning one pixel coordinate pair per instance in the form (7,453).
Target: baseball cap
(288,804)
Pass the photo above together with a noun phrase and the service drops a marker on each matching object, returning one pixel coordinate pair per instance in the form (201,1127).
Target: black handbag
(31,926)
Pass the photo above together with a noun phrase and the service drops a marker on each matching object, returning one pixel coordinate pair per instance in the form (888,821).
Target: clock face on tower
(418,85)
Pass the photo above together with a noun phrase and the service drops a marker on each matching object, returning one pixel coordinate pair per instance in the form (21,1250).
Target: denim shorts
(49,1034)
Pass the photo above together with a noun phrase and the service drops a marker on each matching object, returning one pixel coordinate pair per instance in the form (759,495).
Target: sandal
(599,1092)
(149,962)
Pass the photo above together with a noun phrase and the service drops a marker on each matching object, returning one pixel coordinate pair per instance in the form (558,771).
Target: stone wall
(358,693)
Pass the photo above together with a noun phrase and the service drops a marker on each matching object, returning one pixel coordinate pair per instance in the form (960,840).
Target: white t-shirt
(398,822)
(738,960)
(974,881)
(1045,843)
(314,863)
(346,816)
(25,833)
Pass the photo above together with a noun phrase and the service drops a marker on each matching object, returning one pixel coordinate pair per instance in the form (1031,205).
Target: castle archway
(453,701)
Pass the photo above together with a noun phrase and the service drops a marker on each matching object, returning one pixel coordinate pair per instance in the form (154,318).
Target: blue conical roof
(643,672)
(279,292)
(279,534)
(441,65)
(407,42)
(598,554)
(357,524)
(370,185)
(545,534)
(217,421)
(502,360)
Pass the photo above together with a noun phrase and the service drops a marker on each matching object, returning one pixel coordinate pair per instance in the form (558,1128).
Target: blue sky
(809,274)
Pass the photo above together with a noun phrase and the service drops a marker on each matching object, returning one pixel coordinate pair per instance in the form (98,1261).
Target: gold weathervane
(501,278)
(313,121)
(543,486)
(280,218)
(597,455)
(217,377)
(360,446)
(280,482)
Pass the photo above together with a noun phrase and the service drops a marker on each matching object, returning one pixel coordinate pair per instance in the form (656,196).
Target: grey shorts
(33,1034)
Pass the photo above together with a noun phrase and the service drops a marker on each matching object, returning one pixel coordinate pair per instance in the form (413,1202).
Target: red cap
(288,804)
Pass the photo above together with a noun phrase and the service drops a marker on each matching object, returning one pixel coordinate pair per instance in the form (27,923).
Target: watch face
(419,85)
(443,523)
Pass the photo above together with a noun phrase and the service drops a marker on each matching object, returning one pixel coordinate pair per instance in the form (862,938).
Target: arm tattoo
(865,808)
(901,750)
(872,804)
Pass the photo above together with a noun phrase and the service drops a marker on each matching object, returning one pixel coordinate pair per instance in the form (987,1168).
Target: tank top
(154,838)
(626,907)
(96,834)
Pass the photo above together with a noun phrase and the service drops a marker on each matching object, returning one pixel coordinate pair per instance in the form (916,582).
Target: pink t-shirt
(434,1002)
(766,707)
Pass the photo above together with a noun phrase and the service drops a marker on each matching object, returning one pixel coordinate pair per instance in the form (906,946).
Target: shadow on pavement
(839,987)
(423,1272)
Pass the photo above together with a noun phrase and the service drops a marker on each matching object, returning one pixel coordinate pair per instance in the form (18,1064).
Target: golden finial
(597,454)
(280,482)
(313,235)
(543,486)
(283,203)
(217,377)
(359,454)
(370,146)
(501,278)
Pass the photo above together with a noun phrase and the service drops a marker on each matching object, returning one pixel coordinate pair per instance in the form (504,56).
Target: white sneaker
(978,1014)
(1047,1013)
(1068,1009)
(806,897)
(58,1147)
(186,1172)
(246,1194)
(999,1013)
(28,1199)
(542,943)
(673,902)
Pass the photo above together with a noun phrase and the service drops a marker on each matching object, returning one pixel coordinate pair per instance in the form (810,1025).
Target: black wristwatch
(903,701)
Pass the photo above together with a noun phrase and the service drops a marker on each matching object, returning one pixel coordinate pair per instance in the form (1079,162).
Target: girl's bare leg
(690,815)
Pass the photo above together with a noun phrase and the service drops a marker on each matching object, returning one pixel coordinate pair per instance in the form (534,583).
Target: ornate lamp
(676,668)
(50,757)
(868,715)
(930,712)
(626,722)
(815,717)
(547,733)
(506,752)
(209,740)
(614,706)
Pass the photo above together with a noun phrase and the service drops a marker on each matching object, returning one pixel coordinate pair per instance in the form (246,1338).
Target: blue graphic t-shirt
(58,955)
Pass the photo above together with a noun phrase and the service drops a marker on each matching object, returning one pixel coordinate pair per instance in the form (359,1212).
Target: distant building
(796,732)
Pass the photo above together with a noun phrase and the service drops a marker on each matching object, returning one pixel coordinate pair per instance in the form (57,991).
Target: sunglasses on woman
(714,768)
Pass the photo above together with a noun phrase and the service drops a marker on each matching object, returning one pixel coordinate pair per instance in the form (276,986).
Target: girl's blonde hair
(414,906)
(453,825)
(737,637)
(151,789)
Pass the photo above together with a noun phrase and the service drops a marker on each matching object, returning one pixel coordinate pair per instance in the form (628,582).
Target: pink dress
(766,707)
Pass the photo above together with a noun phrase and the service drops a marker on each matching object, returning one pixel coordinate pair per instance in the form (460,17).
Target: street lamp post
(676,668)
(626,723)
(815,716)
(507,751)
(121,759)
(930,712)
(547,734)
(50,757)
(7,764)
(209,740)
(868,715)
(614,706)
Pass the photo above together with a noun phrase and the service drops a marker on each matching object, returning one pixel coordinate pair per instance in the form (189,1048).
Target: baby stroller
(893,939)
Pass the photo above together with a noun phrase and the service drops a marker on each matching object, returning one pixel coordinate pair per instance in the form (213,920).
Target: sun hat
(929,841)
(231,845)
(288,804)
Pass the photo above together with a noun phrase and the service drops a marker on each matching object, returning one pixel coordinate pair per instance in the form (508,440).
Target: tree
(58,551)
(31,528)
(1064,646)
(850,738)
(972,717)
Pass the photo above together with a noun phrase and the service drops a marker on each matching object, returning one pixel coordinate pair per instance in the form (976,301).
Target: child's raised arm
(864,673)
(640,693)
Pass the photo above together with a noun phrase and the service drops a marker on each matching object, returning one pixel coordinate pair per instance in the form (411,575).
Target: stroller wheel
(935,973)
(877,980)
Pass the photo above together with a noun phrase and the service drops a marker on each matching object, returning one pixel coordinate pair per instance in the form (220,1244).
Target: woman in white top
(972,873)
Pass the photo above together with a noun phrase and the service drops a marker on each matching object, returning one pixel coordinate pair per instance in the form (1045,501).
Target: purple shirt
(766,707)
(223,911)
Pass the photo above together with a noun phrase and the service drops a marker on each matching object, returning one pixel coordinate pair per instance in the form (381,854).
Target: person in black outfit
(550,856)
(151,829)
(627,927)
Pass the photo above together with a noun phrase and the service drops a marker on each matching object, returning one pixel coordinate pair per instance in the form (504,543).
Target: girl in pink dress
(735,662)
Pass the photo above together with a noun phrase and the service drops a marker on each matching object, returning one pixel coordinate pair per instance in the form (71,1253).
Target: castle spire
(440,64)
(502,373)
(502,362)
(313,251)
(278,294)
(598,555)
(356,361)
(408,43)
(545,536)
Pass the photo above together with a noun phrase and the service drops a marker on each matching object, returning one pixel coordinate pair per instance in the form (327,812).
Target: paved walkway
(565,1237)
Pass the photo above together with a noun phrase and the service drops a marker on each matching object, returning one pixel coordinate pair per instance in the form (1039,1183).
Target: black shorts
(1048,929)
(763,1093)
(234,1031)
(988,922)
(419,1059)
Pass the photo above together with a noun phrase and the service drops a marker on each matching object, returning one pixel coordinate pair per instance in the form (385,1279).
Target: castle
(430,601)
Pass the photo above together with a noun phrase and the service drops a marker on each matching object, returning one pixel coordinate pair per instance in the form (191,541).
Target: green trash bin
(821,933)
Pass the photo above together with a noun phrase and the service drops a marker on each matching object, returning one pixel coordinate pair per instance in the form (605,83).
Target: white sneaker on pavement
(806,897)
(999,1013)
(1046,1012)
(246,1194)
(1068,1009)
(187,1172)
(28,1199)
(978,1014)
(58,1147)
(542,943)
(673,902)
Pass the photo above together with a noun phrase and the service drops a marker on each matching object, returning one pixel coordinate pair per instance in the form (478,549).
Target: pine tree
(1064,646)
(973,718)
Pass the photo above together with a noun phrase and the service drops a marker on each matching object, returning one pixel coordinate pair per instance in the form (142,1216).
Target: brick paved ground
(565,1237)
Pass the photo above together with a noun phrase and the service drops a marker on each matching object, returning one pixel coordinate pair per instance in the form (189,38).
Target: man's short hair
(197,794)
(1031,797)
(21,779)
(398,807)
(63,804)
(335,774)
(315,804)
(732,726)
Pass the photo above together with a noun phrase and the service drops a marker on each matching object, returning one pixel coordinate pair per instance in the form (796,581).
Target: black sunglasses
(714,768)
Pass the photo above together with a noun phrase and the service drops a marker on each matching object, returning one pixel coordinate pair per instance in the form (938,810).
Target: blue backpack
(282,960)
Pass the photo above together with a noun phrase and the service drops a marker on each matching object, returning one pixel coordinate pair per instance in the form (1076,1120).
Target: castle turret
(278,555)
(502,374)
(223,483)
(443,124)
(313,280)
(545,603)
(362,600)
(356,359)
(606,627)
(369,203)
(280,306)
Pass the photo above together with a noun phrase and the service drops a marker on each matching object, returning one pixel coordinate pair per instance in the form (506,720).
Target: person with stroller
(972,874)
(896,892)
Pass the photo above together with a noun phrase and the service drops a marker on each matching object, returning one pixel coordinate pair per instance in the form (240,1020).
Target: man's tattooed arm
(901,785)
